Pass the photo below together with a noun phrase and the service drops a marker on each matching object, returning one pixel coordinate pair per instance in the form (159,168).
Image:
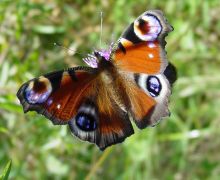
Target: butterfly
(130,81)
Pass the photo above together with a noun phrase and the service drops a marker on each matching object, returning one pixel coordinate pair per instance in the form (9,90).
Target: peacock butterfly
(131,80)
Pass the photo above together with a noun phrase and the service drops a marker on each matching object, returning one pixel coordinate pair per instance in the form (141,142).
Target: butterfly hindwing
(113,124)
(141,105)
(158,87)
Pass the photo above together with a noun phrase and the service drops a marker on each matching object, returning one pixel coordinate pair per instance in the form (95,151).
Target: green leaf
(6,171)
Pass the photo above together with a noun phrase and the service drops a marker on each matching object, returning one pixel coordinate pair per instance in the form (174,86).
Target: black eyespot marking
(130,35)
(85,122)
(153,85)
(120,46)
(55,79)
(136,78)
(72,75)
(170,73)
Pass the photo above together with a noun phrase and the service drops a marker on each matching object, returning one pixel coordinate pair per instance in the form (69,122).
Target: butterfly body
(131,80)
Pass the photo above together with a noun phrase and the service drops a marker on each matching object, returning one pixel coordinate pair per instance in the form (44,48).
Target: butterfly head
(98,56)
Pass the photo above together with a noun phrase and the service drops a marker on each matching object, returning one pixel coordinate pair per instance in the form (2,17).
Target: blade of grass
(98,163)
(6,171)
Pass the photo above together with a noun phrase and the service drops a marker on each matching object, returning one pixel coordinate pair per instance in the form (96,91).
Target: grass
(184,146)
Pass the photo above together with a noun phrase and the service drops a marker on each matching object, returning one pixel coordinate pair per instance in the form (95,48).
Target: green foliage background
(184,146)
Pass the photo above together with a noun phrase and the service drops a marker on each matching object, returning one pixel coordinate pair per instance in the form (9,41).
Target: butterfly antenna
(68,49)
(101,21)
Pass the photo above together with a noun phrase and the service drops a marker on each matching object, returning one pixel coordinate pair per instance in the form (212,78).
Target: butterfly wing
(55,94)
(77,97)
(141,58)
(141,47)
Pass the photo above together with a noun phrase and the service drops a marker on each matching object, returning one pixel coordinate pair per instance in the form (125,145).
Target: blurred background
(184,146)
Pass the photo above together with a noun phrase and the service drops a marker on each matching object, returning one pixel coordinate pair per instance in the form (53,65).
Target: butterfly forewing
(56,95)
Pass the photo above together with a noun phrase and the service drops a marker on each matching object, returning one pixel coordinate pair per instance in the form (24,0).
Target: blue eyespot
(153,85)
(85,122)
(33,97)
